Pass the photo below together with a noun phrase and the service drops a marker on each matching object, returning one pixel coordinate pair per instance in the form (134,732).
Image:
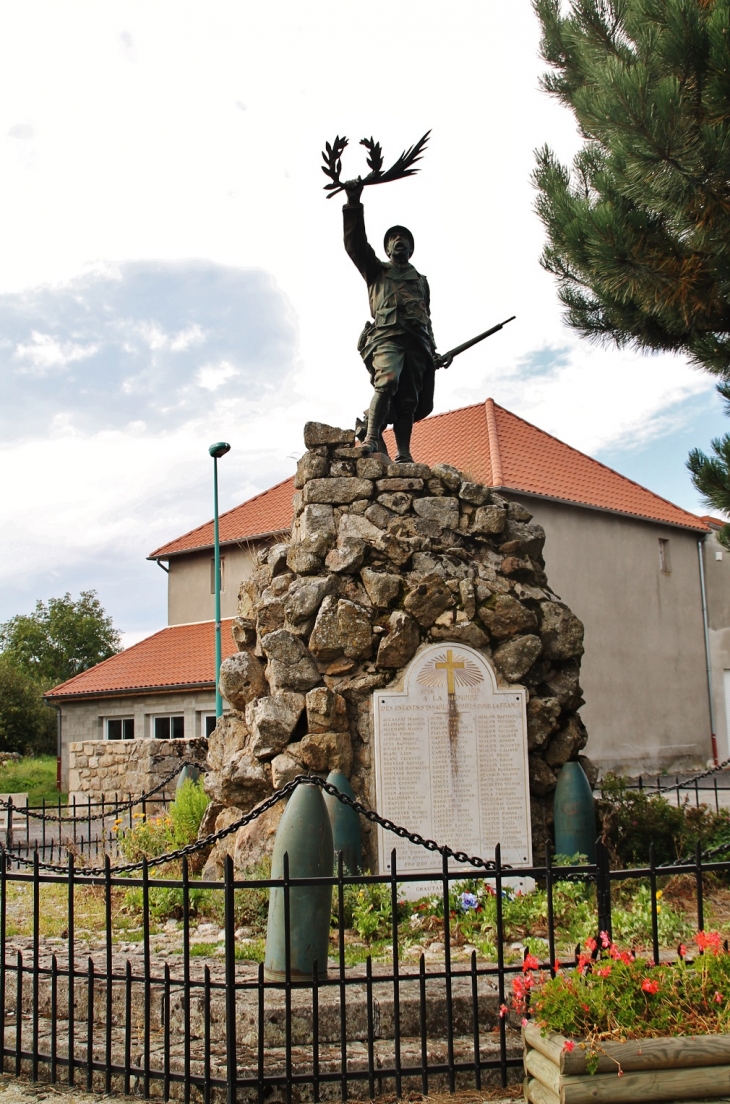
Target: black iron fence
(87,827)
(706,788)
(87,1001)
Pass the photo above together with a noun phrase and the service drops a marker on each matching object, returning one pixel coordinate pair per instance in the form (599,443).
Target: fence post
(603,889)
(230,948)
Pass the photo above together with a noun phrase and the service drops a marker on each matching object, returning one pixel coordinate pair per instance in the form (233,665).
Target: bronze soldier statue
(398,346)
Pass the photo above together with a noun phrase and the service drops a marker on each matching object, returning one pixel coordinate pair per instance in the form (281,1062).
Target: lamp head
(219,449)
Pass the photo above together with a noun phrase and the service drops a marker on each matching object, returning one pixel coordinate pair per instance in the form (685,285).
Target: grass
(34,775)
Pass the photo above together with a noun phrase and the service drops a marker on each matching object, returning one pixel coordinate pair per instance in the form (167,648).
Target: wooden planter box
(690,1067)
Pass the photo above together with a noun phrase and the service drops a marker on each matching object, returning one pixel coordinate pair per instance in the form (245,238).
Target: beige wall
(717,582)
(189,596)
(644,671)
(84,720)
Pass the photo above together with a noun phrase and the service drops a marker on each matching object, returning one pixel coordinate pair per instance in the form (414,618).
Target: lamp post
(216,451)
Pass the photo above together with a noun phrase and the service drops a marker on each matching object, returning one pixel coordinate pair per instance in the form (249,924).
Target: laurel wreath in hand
(402,167)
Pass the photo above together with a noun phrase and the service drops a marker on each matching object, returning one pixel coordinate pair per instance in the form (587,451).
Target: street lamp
(216,451)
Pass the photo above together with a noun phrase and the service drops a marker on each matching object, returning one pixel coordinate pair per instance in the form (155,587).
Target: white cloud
(213,376)
(44,353)
(119,381)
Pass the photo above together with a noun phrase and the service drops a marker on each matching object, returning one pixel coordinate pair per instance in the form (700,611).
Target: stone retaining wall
(125,767)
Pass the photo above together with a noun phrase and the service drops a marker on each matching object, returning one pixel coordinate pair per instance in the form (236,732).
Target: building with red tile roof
(180,657)
(494,447)
(632,565)
(161,688)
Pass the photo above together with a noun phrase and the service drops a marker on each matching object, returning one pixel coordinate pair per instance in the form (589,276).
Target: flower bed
(620,1028)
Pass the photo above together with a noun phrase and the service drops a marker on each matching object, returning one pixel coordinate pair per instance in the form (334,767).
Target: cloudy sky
(171,273)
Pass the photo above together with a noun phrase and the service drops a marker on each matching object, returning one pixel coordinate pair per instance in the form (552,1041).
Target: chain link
(697,777)
(113,810)
(285,791)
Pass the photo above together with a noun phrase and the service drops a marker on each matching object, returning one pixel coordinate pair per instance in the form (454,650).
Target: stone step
(274,1064)
(329,996)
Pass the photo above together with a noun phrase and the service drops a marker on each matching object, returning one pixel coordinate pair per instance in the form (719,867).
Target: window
(208,723)
(169,728)
(665,564)
(212,574)
(120,728)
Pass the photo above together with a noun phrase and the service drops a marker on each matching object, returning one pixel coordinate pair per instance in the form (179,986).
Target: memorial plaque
(451,761)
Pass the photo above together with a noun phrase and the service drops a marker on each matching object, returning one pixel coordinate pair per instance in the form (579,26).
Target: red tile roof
(492,445)
(178,657)
(500,449)
(267,513)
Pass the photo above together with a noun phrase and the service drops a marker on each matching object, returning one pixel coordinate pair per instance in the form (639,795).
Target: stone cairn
(383,558)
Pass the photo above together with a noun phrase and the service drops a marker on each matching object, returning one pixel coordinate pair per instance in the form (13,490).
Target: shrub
(153,836)
(633,819)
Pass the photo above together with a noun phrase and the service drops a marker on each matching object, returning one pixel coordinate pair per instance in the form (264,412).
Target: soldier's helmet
(392,231)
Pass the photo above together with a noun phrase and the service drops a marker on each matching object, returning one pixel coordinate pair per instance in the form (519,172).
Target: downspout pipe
(708,661)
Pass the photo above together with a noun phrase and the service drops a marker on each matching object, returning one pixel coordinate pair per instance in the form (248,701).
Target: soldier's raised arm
(359,249)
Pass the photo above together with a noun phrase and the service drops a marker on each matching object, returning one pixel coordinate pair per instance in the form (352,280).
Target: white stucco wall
(643,672)
(189,596)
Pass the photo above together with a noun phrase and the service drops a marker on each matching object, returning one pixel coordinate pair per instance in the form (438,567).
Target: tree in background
(639,232)
(61,638)
(27,725)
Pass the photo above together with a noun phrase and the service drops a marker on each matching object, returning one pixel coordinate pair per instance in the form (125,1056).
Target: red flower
(503,1011)
(605,939)
(650,986)
(591,945)
(530,963)
(682,950)
(568,1045)
(603,971)
(709,941)
(718,997)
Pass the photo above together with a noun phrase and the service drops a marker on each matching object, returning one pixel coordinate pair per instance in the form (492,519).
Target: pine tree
(711,477)
(639,232)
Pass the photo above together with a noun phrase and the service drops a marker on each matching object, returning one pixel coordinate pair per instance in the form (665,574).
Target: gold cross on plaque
(450,666)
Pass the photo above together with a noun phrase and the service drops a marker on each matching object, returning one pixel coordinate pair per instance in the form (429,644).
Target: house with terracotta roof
(647,578)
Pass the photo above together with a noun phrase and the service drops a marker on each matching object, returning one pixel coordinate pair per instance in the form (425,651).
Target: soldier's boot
(402,429)
(377,416)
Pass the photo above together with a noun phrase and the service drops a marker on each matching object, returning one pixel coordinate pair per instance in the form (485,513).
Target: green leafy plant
(372,912)
(613,995)
(187,811)
(153,836)
(633,924)
(632,819)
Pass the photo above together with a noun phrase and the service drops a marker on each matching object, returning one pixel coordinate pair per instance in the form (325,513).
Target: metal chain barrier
(285,791)
(704,774)
(113,810)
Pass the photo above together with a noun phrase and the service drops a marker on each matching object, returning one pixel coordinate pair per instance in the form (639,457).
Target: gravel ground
(13,1091)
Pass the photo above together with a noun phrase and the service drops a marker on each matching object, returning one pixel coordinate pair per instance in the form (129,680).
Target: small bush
(633,819)
(187,811)
(152,836)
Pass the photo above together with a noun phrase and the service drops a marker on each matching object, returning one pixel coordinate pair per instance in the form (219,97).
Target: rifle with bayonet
(445,360)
